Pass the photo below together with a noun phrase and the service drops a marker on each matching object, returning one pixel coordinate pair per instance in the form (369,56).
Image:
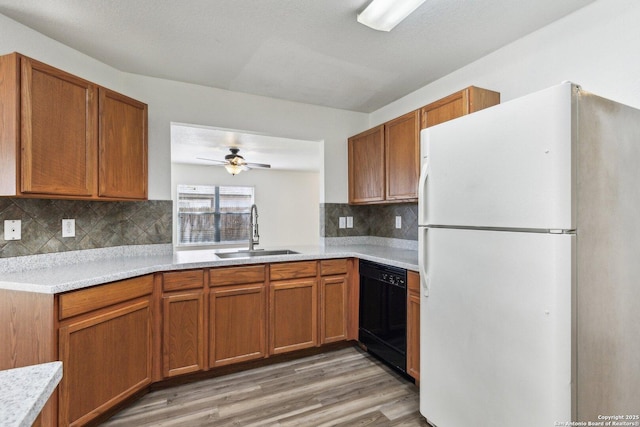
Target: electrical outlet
(349,222)
(342,222)
(398,221)
(12,229)
(68,228)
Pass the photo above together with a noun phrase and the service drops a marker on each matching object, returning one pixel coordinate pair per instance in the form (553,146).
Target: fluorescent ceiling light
(383,15)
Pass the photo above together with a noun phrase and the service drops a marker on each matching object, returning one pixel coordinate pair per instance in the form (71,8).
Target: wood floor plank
(345,387)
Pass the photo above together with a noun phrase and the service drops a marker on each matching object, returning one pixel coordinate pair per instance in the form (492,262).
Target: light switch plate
(12,229)
(398,221)
(342,222)
(349,222)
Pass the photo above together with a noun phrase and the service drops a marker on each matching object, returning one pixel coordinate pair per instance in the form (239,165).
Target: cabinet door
(366,166)
(293,315)
(182,333)
(106,358)
(333,309)
(466,101)
(445,109)
(58,141)
(402,154)
(413,325)
(122,146)
(237,329)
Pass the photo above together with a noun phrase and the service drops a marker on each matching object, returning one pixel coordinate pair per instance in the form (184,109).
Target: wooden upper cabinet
(384,162)
(458,104)
(64,137)
(57,138)
(366,166)
(123,146)
(402,157)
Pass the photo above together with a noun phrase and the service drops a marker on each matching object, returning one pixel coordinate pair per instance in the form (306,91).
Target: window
(213,215)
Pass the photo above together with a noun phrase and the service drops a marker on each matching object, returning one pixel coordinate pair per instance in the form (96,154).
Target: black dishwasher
(383,312)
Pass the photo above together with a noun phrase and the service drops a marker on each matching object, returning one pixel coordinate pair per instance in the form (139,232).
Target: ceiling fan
(234,163)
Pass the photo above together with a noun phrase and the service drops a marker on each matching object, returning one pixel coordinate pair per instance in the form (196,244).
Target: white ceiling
(311,51)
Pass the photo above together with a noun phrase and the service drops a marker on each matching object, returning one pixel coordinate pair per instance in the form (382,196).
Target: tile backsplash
(97,224)
(110,224)
(370,220)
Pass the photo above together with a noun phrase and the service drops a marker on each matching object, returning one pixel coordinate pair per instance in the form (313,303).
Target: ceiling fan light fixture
(233,169)
(384,15)
(235,163)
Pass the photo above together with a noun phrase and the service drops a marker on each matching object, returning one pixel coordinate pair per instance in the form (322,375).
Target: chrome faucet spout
(254,236)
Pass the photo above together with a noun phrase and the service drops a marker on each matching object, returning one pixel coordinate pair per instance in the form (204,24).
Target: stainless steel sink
(255,253)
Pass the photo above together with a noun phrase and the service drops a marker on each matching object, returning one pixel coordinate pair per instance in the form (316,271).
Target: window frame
(214,195)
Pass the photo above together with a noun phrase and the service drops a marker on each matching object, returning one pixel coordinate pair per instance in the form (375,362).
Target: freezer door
(496,341)
(509,166)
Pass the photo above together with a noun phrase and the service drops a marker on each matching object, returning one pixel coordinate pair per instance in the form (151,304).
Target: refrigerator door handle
(422,193)
(422,260)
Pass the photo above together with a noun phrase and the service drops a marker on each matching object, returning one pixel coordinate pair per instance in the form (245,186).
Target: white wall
(288,211)
(15,37)
(180,102)
(596,47)
(171,101)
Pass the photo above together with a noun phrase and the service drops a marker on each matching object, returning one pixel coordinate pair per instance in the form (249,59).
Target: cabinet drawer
(177,280)
(90,299)
(329,267)
(293,270)
(236,275)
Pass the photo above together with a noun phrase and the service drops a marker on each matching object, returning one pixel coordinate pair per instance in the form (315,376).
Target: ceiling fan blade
(258,165)
(235,159)
(220,162)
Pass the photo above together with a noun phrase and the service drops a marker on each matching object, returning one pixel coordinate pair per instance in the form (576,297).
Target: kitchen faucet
(253,227)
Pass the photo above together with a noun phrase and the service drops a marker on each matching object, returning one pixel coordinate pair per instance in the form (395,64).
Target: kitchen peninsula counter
(24,391)
(68,271)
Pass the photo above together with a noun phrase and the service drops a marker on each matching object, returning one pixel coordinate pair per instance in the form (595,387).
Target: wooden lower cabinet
(293,306)
(106,358)
(237,325)
(334,298)
(237,314)
(182,333)
(333,309)
(413,325)
(183,322)
(116,339)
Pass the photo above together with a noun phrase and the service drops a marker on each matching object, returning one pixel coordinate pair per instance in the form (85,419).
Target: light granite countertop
(80,269)
(24,392)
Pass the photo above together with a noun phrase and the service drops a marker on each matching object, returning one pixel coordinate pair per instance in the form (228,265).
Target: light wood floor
(345,387)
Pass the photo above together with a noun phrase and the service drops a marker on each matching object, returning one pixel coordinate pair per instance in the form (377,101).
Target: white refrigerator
(529,240)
